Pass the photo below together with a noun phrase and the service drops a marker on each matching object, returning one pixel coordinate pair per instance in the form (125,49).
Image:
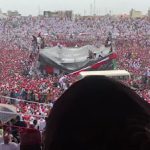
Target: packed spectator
(33,92)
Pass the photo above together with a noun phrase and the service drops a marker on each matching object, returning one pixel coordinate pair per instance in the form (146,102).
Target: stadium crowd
(33,92)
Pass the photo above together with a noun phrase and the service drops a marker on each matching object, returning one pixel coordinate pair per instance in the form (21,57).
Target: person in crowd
(91,54)
(13,96)
(34,44)
(62,83)
(41,124)
(13,128)
(24,94)
(48,96)
(18,124)
(8,145)
(30,139)
(1,132)
(35,124)
(98,113)
(42,43)
(32,96)
(39,40)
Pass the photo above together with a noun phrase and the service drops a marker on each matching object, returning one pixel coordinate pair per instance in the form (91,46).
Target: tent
(71,59)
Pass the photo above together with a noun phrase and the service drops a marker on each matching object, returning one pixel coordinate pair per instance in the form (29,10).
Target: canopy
(72,59)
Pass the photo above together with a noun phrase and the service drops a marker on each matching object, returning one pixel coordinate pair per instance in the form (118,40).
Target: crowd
(134,57)
(19,134)
(32,92)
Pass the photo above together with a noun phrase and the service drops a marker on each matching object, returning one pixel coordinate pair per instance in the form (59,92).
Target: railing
(7,100)
(11,107)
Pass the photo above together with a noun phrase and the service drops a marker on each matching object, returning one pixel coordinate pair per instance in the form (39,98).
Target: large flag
(95,66)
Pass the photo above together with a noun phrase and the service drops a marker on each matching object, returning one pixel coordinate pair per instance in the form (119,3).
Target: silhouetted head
(98,113)
(18,118)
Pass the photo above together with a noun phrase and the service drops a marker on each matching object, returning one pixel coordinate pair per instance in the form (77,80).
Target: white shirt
(38,40)
(41,124)
(62,80)
(148,72)
(1,136)
(10,146)
(64,86)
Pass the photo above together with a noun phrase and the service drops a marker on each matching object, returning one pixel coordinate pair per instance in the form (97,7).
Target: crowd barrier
(9,110)
(6,99)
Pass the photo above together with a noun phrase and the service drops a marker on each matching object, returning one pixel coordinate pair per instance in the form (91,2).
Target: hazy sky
(27,7)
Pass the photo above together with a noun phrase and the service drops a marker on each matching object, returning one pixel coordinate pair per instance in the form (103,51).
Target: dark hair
(98,113)
(35,122)
(18,117)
